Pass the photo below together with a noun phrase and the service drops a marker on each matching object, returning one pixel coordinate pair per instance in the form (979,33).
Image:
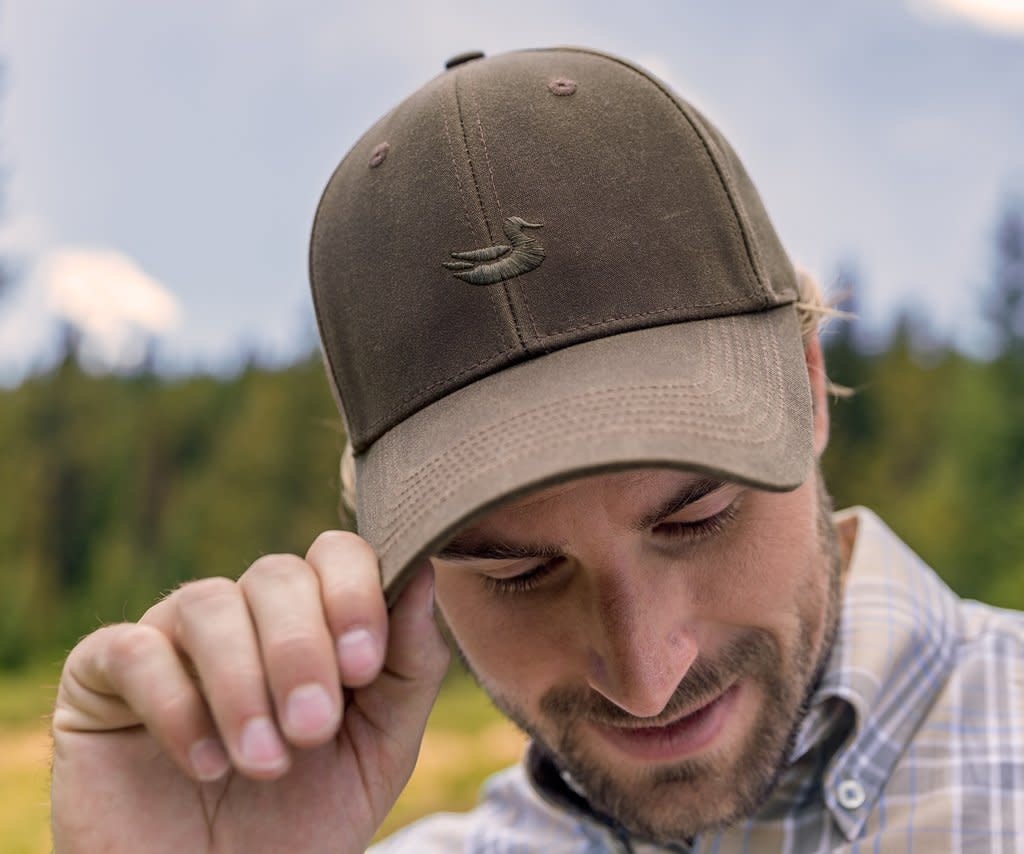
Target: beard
(677,801)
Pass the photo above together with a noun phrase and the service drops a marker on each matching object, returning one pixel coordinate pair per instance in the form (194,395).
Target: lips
(677,739)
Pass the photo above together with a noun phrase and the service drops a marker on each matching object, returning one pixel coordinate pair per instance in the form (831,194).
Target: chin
(722,775)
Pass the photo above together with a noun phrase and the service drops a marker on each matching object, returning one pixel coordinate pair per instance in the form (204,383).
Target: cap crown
(518,205)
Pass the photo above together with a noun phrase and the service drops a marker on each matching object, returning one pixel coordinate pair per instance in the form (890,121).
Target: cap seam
(483,212)
(507,285)
(426,389)
(455,168)
(465,212)
(469,162)
(650,313)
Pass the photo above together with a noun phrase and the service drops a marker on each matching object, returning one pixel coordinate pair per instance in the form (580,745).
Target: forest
(116,488)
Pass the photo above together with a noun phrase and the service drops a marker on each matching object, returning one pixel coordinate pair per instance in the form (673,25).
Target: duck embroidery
(494,264)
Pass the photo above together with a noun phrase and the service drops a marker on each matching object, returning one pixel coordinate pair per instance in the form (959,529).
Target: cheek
(518,644)
(765,573)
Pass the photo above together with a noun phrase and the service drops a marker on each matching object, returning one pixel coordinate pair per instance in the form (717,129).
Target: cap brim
(726,396)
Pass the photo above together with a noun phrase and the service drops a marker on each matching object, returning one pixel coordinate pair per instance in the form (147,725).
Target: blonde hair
(814,310)
(812,307)
(348,479)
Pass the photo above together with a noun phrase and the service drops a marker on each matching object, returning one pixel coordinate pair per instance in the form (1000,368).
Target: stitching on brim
(525,447)
(654,426)
(526,415)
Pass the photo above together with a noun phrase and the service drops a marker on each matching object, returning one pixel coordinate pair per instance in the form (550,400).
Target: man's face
(657,632)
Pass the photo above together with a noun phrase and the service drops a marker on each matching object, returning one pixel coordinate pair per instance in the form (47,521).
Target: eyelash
(678,531)
(694,531)
(522,583)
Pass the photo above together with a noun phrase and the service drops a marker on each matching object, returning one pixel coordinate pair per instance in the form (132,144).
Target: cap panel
(639,228)
(395,336)
(770,257)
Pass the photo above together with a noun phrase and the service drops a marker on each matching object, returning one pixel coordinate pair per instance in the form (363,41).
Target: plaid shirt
(914,741)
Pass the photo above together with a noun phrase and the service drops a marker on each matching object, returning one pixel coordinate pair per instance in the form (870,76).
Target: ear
(819,394)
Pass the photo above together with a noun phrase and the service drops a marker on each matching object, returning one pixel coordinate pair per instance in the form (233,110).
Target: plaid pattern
(915,739)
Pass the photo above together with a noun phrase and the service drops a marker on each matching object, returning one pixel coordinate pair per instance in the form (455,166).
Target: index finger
(353,602)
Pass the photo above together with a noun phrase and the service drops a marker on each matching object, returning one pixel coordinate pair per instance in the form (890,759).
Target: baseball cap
(541,265)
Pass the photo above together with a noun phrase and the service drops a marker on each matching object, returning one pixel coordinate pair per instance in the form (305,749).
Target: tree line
(116,488)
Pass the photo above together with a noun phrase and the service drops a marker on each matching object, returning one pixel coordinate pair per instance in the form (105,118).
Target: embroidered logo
(494,264)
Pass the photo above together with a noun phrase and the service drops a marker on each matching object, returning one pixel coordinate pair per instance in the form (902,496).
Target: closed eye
(698,529)
(524,582)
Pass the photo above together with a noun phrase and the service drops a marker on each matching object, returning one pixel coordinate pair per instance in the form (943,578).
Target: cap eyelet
(562,86)
(379,154)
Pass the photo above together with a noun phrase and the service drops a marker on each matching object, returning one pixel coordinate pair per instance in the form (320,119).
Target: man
(585,402)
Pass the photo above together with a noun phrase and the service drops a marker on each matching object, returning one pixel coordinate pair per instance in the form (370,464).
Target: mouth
(683,736)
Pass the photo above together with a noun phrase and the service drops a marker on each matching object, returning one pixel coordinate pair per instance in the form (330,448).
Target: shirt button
(850,794)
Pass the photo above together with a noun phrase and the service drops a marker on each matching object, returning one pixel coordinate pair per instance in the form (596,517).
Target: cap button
(460,58)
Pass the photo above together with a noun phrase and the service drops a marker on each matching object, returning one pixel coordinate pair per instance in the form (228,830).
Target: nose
(640,645)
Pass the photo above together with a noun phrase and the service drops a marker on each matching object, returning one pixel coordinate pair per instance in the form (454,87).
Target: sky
(163,161)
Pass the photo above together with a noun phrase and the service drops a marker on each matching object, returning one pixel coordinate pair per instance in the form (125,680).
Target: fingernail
(261,748)
(357,654)
(309,709)
(208,759)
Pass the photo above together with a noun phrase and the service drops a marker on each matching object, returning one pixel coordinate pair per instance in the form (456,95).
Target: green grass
(26,700)
(24,796)
(466,741)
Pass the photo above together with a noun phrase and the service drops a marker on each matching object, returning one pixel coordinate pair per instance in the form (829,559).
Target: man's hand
(283,712)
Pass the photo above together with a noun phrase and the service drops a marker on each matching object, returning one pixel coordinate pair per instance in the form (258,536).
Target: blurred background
(162,409)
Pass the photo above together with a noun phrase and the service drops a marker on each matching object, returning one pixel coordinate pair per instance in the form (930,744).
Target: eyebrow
(468,548)
(691,493)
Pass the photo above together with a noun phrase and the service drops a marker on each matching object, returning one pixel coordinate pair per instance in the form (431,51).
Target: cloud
(115,305)
(1001,16)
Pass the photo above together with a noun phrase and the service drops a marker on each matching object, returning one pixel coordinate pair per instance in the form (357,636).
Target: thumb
(400,699)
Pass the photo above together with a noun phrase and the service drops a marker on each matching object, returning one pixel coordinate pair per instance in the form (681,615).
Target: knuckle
(431,658)
(183,715)
(351,599)
(277,569)
(293,647)
(205,590)
(438,660)
(129,644)
(342,542)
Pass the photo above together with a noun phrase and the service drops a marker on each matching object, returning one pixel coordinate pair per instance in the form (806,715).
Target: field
(466,741)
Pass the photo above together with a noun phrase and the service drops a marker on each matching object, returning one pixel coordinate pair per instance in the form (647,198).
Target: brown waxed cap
(542,265)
